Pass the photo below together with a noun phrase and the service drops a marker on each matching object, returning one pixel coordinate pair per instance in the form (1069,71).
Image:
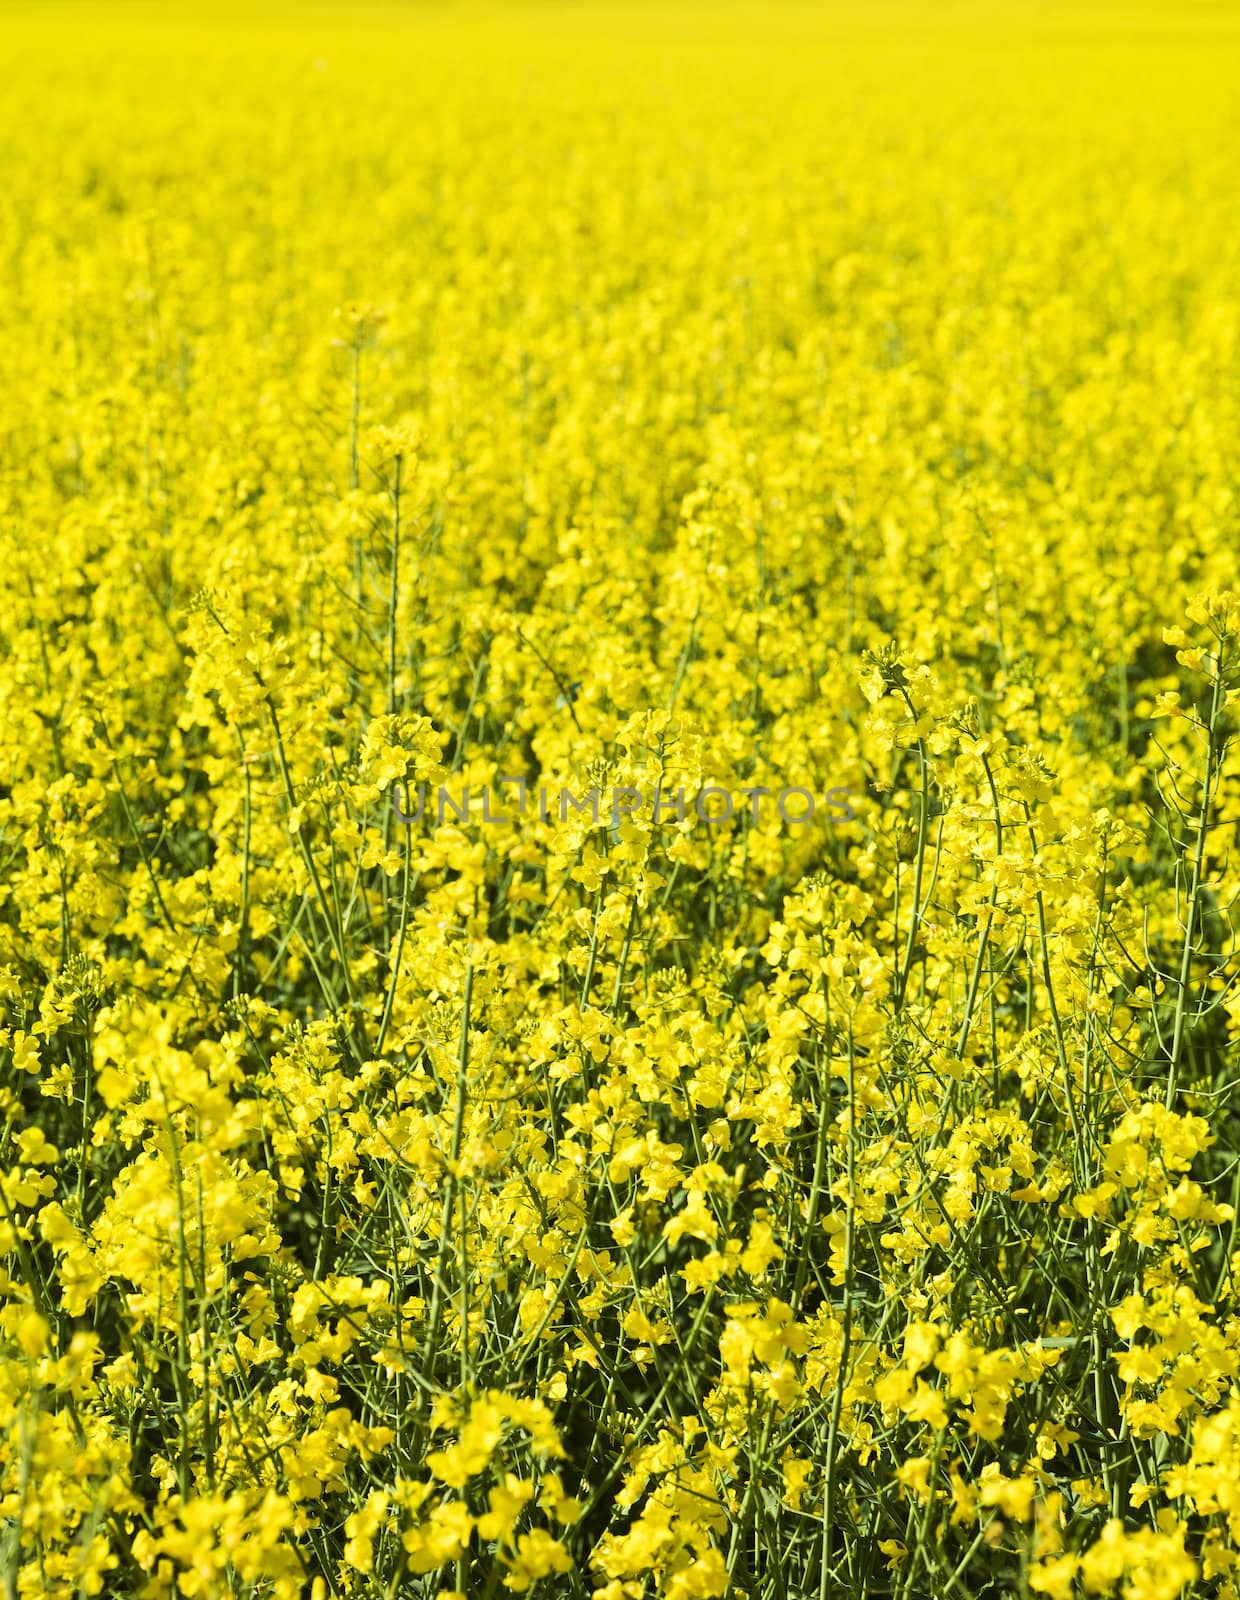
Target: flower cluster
(744,400)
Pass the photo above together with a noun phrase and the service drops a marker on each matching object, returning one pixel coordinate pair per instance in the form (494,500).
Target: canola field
(619,665)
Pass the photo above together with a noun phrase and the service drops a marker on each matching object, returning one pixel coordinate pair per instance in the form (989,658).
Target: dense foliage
(397,400)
